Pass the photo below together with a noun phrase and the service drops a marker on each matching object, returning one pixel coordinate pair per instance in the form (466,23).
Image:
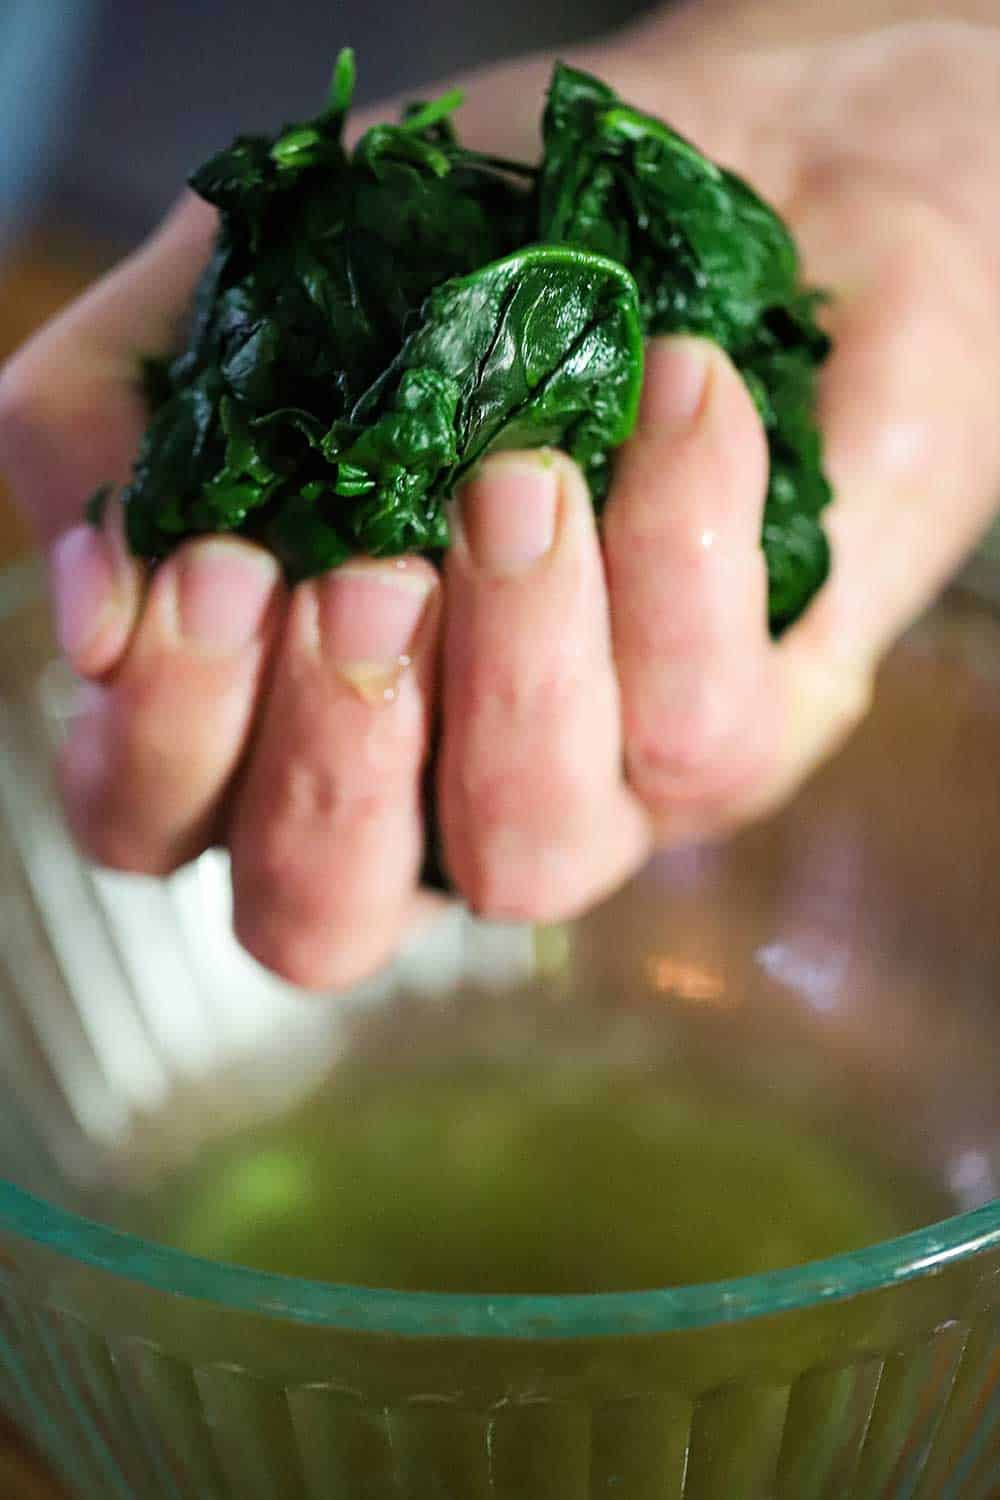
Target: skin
(597,695)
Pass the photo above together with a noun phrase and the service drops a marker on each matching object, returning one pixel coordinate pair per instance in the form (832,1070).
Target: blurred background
(107,105)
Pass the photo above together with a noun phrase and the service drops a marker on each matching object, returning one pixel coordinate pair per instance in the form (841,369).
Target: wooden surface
(43,274)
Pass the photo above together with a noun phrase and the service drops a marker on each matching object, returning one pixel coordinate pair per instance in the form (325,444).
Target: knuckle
(534,776)
(676,752)
(493,800)
(534,795)
(304,792)
(528,690)
(661,769)
(309,794)
(492,689)
(696,765)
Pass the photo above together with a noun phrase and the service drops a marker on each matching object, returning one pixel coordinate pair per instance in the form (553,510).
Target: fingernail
(223,592)
(508,512)
(675,384)
(368,618)
(83,588)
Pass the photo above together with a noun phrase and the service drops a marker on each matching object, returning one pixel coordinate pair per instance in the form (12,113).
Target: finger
(536,819)
(688,591)
(149,761)
(326,834)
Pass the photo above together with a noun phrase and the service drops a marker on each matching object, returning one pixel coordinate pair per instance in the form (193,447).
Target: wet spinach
(374,321)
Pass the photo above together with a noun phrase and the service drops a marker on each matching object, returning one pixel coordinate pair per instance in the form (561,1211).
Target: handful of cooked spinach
(374,322)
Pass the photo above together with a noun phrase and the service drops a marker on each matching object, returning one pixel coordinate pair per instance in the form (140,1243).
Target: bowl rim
(505,1316)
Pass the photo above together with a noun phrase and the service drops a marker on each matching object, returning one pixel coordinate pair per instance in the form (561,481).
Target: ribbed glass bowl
(846,956)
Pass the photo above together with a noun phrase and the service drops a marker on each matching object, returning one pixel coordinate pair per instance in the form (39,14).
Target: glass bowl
(840,964)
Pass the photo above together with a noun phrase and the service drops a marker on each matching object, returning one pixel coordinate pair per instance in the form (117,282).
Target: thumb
(72,407)
(71,416)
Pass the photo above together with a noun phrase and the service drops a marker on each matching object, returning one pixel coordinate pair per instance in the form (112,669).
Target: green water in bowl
(550,1179)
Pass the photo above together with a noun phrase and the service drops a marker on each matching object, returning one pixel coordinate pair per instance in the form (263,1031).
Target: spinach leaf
(711,258)
(322,266)
(541,348)
(372,323)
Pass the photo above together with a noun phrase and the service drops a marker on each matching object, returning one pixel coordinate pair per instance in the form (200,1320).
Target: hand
(599,695)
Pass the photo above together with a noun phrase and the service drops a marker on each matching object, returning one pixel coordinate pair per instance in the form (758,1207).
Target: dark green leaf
(372,325)
(710,258)
(542,348)
(341,90)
